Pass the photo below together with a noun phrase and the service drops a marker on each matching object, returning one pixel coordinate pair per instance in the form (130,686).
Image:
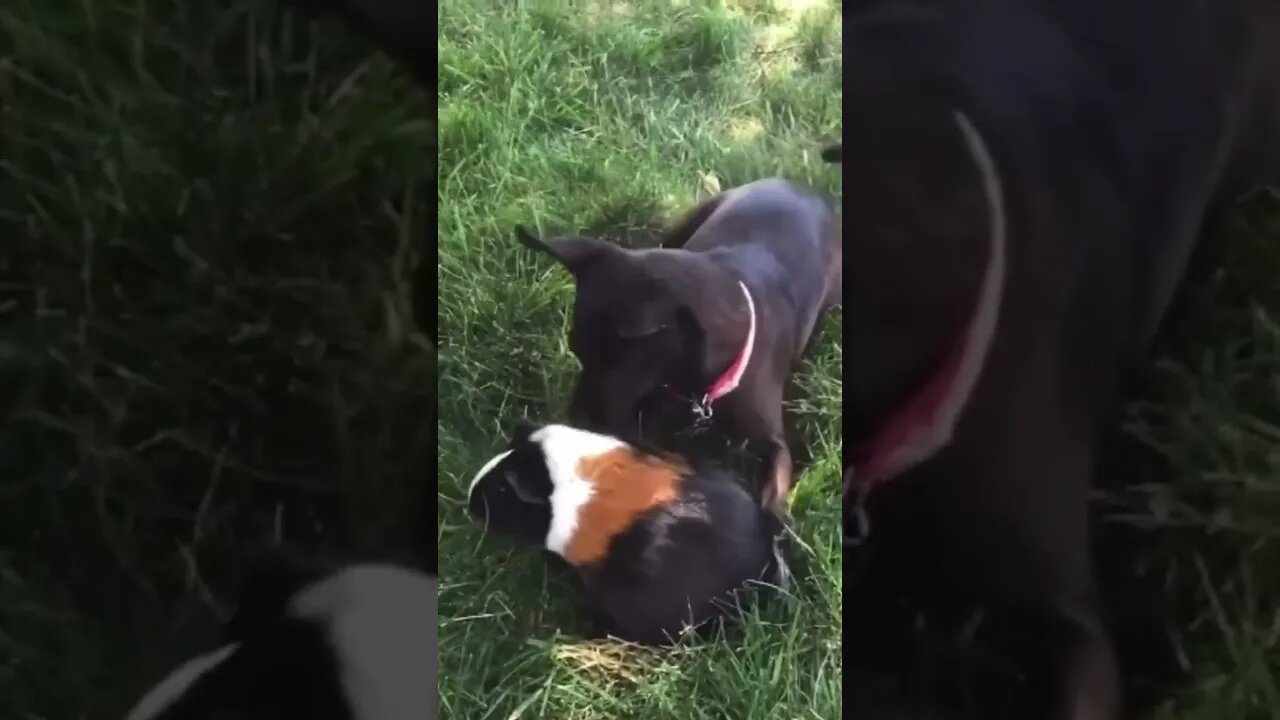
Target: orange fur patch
(626,484)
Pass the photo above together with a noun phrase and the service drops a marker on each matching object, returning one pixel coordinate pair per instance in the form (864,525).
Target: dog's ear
(573,252)
(680,233)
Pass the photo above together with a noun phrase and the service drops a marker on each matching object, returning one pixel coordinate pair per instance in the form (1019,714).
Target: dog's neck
(926,423)
(937,338)
(729,318)
(728,380)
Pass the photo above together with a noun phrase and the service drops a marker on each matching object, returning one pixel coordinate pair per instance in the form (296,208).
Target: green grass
(1201,502)
(611,117)
(209,217)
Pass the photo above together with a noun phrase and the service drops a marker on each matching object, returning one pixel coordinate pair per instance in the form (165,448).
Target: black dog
(661,547)
(720,313)
(1029,180)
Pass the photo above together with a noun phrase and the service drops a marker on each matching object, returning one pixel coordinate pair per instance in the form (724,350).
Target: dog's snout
(604,405)
(584,405)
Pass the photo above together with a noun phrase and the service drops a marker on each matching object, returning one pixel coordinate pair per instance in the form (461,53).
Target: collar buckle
(702,411)
(729,379)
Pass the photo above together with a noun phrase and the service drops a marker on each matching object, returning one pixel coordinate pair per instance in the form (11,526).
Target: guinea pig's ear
(573,252)
(524,489)
(521,431)
(274,576)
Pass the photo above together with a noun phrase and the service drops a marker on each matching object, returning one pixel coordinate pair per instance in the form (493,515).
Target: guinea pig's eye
(523,492)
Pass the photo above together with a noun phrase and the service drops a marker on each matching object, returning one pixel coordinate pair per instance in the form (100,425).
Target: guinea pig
(662,547)
(355,644)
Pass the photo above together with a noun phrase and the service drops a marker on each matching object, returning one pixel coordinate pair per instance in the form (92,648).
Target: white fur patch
(382,622)
(564,447)
(484,470)
(177,683)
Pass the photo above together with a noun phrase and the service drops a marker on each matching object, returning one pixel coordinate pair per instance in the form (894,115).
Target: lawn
(611,118)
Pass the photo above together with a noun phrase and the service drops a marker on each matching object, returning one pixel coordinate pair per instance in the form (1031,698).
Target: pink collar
(925,424)
(729,379)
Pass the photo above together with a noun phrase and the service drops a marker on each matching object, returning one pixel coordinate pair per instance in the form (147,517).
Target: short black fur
(518,501)
(287,670)
(631,591)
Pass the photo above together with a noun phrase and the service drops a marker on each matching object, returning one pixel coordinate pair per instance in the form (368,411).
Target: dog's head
(641,319)
(570,490)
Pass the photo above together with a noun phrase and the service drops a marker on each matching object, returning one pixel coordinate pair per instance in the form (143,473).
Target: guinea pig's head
(536,490)
(305,644)
(512,492)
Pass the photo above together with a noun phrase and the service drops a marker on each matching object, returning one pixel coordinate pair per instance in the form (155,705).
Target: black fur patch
(685,565)
(287,670)
(514,495)
(275,577)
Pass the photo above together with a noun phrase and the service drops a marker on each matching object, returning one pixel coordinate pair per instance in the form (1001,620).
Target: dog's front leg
(1088,681)
(779,483)
(758,415)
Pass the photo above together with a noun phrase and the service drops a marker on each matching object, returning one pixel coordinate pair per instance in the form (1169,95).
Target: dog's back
(1064,85)
(775,232)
